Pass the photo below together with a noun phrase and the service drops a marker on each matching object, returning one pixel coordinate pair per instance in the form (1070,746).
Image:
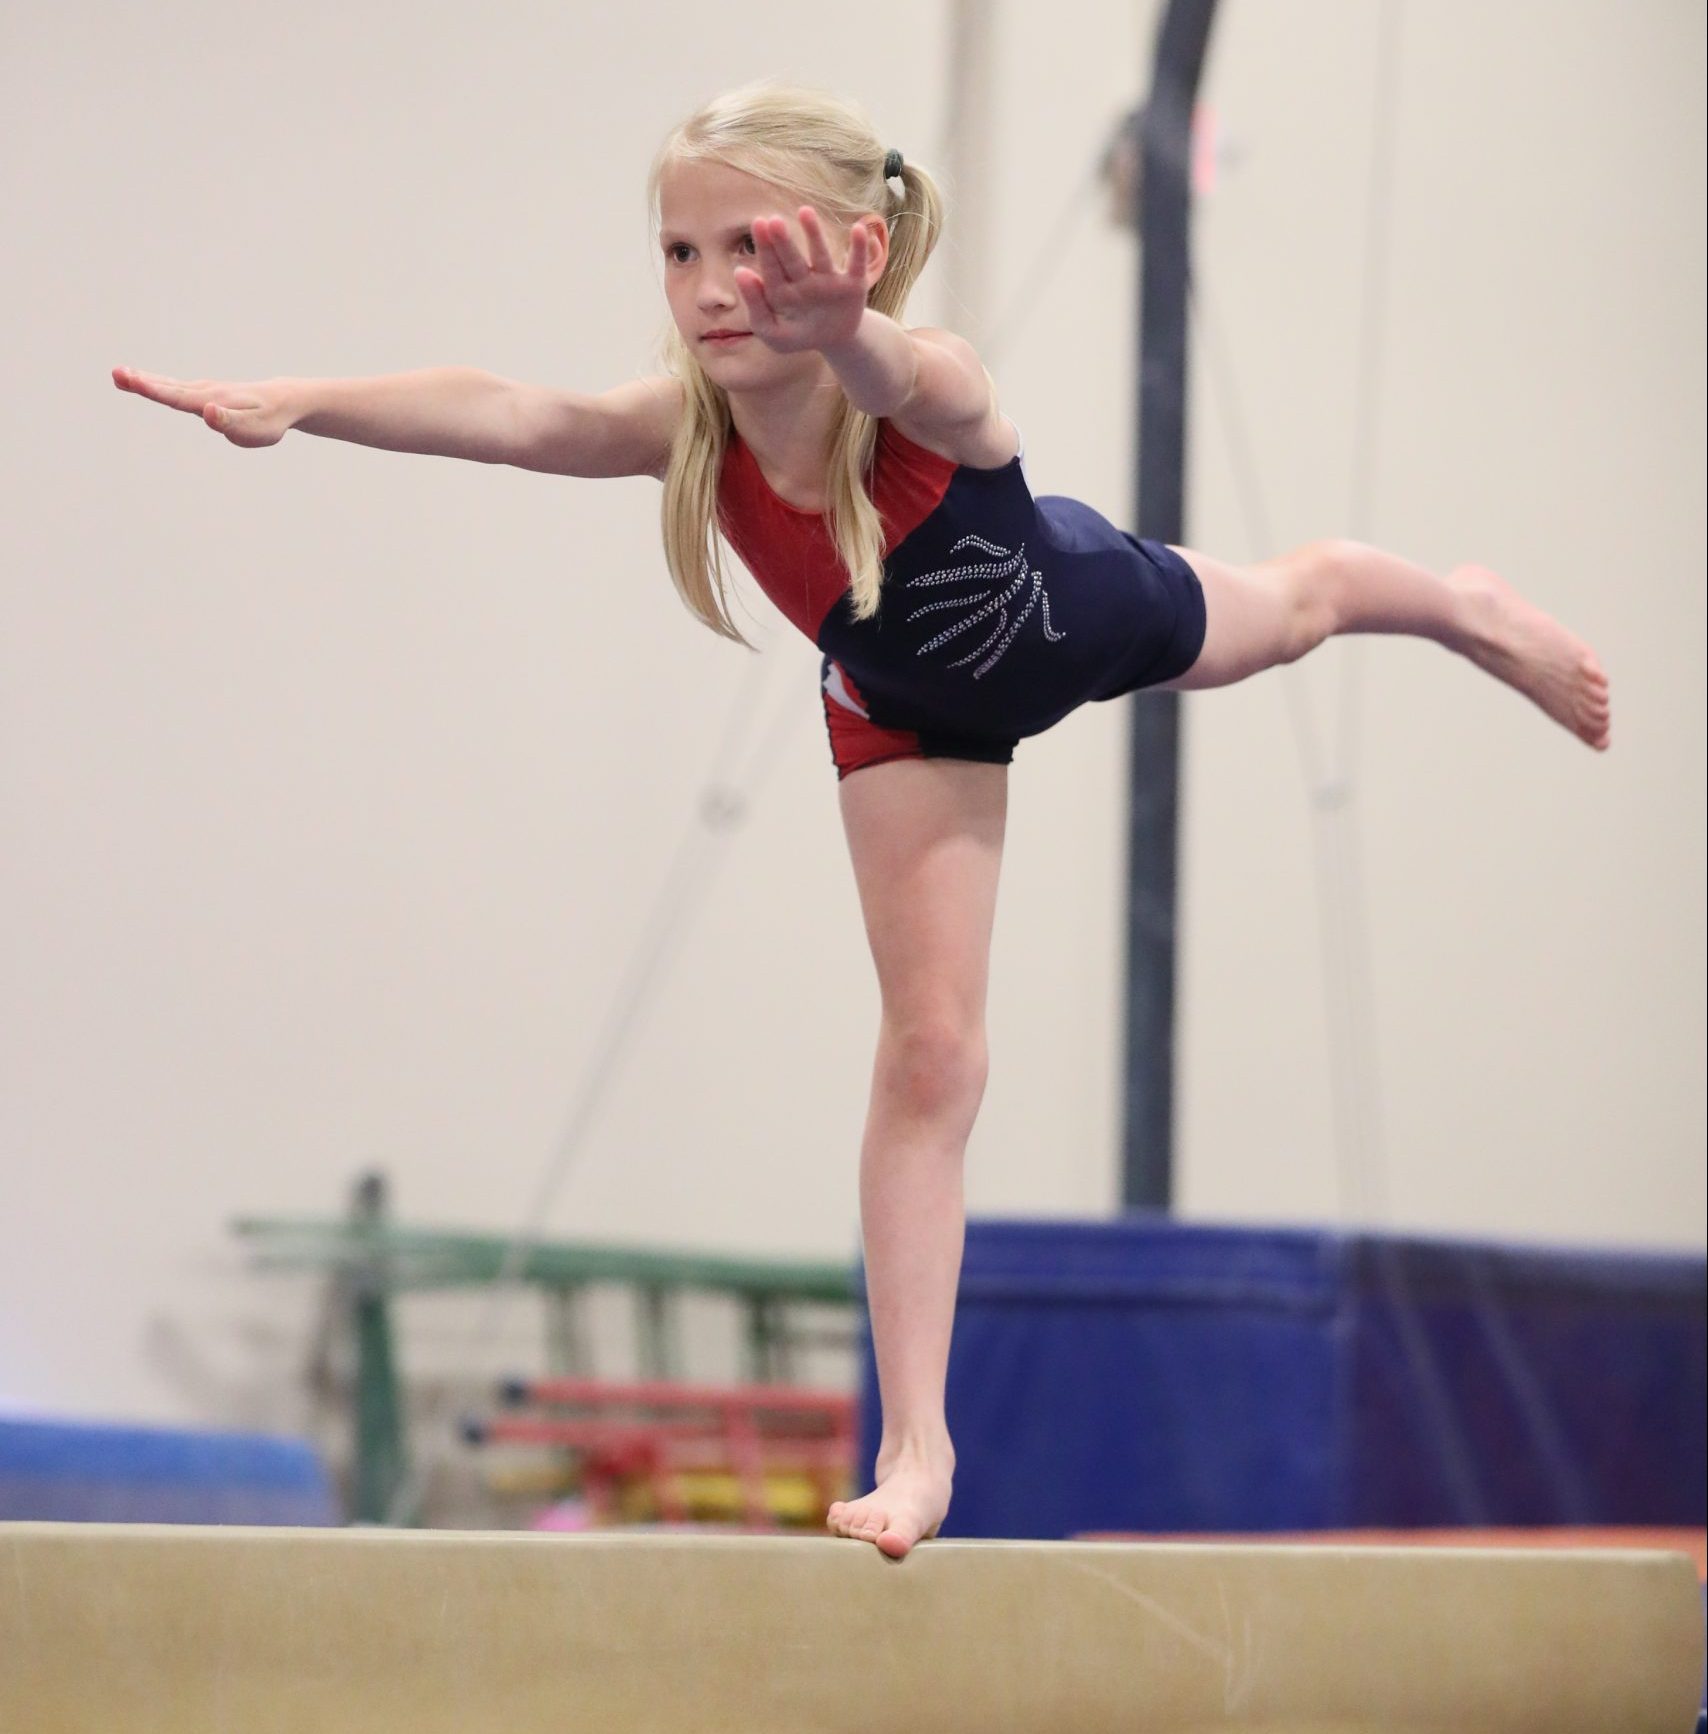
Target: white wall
(338,784)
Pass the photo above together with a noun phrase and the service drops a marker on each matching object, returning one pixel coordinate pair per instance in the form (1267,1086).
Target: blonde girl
(867,477)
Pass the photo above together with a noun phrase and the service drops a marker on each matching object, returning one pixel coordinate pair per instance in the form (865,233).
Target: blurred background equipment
(63,1471)
(370,1261)
(757,1456)
(1163,1376)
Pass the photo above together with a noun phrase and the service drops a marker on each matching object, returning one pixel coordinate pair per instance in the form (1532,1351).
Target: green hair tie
(892,165)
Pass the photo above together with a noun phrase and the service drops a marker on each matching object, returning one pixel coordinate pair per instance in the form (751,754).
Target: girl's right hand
(258,414)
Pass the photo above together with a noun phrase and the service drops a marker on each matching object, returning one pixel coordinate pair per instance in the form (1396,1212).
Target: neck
(787,426)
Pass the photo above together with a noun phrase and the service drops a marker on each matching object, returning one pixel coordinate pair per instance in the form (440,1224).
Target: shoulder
(954,412)
(652,407)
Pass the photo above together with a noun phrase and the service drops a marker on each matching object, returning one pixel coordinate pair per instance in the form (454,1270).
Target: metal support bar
(1164,217)
(379,1468)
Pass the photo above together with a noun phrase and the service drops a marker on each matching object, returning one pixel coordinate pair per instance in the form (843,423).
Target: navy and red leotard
(1000,612)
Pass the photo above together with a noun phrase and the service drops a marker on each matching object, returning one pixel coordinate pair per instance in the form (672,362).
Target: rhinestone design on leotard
(1002,580)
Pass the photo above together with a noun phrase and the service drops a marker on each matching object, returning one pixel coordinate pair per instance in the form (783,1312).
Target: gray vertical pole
(1164,220)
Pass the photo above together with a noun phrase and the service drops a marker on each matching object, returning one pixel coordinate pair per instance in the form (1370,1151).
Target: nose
(715,289)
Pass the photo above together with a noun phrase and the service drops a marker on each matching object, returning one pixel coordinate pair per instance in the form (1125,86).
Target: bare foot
(1516,642)
(908,1505)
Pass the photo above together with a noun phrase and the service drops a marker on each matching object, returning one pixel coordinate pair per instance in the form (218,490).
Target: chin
(746,363)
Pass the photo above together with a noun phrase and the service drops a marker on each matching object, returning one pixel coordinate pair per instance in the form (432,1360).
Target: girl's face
(705,210)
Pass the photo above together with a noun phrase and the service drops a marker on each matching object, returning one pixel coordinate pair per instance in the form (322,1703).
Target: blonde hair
(825,152)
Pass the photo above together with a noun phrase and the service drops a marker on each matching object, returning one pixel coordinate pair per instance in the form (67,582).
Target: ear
(877,245)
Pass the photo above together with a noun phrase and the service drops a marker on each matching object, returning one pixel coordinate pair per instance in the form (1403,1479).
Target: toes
(852,1522)
(898,1543)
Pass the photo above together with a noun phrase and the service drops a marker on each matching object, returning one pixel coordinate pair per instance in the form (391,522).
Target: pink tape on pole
(1203,150)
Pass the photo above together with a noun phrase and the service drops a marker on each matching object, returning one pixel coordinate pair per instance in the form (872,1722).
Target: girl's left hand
(798,302)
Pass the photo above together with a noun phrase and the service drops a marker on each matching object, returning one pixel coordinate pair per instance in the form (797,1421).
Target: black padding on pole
(1164,222)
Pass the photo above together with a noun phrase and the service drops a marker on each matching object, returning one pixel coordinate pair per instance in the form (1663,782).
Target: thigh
(925,837)
(1250,615)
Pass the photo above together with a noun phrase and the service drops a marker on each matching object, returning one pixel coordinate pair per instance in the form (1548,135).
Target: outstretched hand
(258,414)
(799,301)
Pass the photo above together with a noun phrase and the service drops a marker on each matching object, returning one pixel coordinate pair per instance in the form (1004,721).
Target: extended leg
(925,837)
(1274,612)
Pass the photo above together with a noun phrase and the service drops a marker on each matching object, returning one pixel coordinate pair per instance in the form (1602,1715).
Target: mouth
(726,336)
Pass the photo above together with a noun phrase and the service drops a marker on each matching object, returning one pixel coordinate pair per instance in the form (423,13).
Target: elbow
(908,393)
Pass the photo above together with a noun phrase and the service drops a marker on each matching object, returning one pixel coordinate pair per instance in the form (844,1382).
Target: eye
(748,242)
(673,249)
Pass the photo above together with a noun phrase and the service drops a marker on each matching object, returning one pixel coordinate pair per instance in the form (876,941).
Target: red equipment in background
(658,1435)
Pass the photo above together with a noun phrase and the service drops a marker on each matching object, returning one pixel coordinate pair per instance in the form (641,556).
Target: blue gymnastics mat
(76,1472)
(1146,1374)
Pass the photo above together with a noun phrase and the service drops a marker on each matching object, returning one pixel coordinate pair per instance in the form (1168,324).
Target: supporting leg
(925,837)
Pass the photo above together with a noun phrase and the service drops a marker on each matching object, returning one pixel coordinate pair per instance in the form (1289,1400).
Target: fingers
(135,376)
(128,379)
(760,314)
(175,393)
(780,261)
(859,246)
(230,408)
(779,254)
(818,248)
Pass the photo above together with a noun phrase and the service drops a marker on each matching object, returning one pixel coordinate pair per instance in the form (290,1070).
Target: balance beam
(161,1630)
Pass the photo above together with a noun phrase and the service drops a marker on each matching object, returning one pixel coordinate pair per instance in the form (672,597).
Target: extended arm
(451,412)
(928,377)
(932,379)
(455,412)
(626,431)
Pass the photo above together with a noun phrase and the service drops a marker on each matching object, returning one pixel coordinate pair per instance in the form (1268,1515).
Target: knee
(933,1065)
(1317,578)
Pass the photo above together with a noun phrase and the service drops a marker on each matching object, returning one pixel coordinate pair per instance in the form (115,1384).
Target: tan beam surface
(140,1629)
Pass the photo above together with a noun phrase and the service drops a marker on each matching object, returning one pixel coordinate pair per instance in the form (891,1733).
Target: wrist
(297,398)
(849,350)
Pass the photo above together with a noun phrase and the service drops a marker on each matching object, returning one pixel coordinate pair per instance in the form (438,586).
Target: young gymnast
(867,478)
